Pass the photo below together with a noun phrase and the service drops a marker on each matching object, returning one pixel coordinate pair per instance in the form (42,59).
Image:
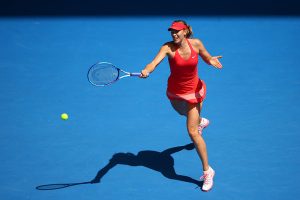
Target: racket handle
(135,74)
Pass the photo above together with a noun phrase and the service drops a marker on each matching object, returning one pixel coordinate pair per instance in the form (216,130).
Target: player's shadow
(161,162)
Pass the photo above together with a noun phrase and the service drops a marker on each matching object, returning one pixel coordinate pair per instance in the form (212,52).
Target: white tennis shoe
(203,124)
(208,179)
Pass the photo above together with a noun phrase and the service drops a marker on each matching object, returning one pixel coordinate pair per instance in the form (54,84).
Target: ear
(185,32)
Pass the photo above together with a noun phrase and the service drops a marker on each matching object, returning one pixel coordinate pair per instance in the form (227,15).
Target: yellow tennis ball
(64,116)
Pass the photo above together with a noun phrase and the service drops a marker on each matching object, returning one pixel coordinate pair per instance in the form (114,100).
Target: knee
(193,131)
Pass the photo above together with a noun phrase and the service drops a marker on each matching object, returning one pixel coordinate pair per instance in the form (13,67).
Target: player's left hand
(214,61)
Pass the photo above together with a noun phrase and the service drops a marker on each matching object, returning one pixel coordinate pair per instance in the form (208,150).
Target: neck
(182,44)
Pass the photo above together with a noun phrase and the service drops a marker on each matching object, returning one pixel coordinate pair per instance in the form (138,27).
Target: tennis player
(185,90)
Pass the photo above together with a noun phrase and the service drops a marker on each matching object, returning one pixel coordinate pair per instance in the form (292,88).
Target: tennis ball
(64,116)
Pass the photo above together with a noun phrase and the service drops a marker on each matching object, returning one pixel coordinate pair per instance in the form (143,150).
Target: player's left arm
(205,55)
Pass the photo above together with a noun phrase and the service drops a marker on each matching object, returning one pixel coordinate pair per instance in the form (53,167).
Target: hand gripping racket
(105,73)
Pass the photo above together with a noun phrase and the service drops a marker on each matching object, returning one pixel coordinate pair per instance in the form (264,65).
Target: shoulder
(196,42)
(168,46)
(197,45)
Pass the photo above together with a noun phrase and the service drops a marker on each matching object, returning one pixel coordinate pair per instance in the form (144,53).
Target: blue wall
(154,7)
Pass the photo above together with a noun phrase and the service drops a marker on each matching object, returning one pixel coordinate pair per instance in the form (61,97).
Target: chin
(176,41)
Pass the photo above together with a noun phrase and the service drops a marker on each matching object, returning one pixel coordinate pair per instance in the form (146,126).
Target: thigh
(193,117)
(193,120)
(180,106)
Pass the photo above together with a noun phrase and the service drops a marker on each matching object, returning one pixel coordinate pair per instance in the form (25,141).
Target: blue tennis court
(127,135)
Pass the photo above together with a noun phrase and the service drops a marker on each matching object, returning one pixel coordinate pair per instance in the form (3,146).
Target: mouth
(175,39)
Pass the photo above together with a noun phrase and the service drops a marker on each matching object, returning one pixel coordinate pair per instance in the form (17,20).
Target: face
(177,36)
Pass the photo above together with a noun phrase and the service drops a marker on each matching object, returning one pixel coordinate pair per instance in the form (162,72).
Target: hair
(189,28)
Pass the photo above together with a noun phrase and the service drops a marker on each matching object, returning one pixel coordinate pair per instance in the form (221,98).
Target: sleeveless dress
(184,83)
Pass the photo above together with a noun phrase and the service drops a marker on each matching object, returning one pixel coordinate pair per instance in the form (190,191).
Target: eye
(174,31)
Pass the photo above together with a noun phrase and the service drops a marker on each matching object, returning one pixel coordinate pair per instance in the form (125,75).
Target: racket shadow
(162,162)
(57,186)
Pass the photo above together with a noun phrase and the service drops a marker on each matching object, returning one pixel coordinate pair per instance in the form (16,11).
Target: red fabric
(184,82)
(177,26)
(194,97)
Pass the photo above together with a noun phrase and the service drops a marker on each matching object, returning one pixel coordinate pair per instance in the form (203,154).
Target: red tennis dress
(184,83)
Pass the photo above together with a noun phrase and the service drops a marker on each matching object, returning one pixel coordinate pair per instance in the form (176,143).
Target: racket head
(103,73)
(52,186)
(59,185)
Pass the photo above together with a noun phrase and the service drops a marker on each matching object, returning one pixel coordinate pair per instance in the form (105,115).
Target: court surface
(128,131)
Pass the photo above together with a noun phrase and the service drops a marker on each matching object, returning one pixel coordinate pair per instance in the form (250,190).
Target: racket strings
(103,74)
(59,185)
(52,186)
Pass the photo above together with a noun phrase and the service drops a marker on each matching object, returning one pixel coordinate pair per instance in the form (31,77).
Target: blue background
(253,140)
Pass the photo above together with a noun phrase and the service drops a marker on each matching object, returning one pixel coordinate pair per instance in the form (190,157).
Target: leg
(181,107)
(200,108)
(192,126)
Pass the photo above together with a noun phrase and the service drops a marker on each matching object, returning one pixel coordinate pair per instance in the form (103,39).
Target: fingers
(217,63)
(144,74)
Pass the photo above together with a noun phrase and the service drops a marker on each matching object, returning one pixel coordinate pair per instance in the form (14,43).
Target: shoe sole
(211,185)
(209,189)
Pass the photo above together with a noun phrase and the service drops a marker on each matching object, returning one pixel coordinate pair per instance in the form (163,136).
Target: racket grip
(135,74)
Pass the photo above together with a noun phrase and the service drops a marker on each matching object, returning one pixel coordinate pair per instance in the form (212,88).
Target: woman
(185,90)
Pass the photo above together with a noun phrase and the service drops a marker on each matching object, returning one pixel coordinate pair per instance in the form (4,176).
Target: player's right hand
(144,73)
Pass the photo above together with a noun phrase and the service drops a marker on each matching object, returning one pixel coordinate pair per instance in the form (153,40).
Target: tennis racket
(59,186)
(105,73)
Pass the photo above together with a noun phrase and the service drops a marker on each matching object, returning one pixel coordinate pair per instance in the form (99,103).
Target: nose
(173,32)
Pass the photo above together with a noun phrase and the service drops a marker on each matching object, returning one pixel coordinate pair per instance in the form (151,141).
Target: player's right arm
(164,50)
